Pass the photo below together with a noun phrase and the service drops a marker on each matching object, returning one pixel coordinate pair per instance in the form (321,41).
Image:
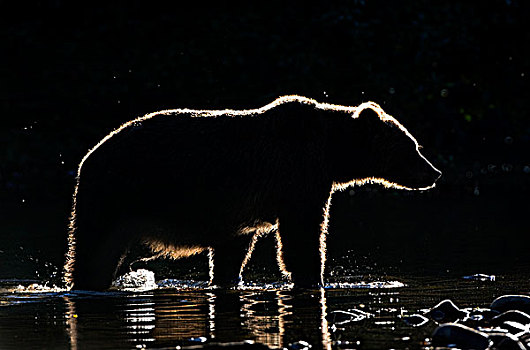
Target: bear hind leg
(228,259)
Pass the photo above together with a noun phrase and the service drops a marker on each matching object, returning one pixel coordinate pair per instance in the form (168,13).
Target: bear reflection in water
(167,318)
(184,181)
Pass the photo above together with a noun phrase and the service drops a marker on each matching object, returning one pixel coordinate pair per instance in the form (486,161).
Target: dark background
(456,74)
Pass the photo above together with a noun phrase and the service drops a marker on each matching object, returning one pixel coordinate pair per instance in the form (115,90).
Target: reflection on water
(265,316)
(165,318)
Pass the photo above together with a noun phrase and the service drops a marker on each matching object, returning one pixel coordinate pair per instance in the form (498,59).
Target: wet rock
(479,316)
(198,340)
(360,313)
(487,314)
(506,342)
(415,320)
(299,345)
(344,344)
(514,327)
(459,336)
(480,277)
(247,344)
(446,311)
(511,302)
(341,317)
(525,339)
(511,315)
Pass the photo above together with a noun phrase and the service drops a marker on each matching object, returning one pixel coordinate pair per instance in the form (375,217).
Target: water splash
(265,286)
(136,281)
(18,287)
(365,285)
(144,280)
(171,283)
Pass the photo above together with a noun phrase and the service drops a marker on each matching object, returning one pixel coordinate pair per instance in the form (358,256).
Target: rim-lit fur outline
(356,110)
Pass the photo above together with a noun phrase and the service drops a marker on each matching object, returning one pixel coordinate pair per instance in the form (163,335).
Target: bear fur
(182,181)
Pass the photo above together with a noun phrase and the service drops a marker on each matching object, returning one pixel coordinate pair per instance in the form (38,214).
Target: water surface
(276,315)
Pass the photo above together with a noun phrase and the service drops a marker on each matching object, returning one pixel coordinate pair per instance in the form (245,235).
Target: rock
(341,317)
(247,344)
(511,302)
(446,311)
(511,315)
(514,328)
(479,316)
(299,345)
(480,277)
(198,340)
(506,342)
(459,336)
(360,313)
(525,339)
(415,320)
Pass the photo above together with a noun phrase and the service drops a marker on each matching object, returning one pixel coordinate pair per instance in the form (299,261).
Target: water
(189,312)
(389,258)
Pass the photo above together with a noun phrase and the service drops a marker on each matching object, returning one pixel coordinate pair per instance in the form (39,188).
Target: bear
(185,181)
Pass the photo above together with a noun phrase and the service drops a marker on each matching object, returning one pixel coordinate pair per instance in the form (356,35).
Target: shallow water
(187,312)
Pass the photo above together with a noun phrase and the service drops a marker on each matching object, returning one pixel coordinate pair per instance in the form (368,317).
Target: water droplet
(476,191)
(391,91)
(526,169)
(351,192)
(508,140)
(522,74)
(469,174)
(444,93)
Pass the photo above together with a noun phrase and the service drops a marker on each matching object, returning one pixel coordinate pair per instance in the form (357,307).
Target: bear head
(380,150)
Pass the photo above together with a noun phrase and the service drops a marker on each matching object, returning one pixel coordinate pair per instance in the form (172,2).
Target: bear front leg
(97,256)
(301,246)
(227,259)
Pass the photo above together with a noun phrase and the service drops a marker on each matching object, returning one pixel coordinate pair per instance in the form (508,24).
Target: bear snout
(437,174)
(428,178)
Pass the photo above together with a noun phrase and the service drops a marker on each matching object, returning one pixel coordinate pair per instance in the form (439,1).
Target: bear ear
(369,121)
(369,114)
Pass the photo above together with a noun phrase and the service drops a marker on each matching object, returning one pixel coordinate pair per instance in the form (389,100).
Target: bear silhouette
(183,181)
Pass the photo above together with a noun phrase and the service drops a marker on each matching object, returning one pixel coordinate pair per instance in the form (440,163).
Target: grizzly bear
(183,181)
